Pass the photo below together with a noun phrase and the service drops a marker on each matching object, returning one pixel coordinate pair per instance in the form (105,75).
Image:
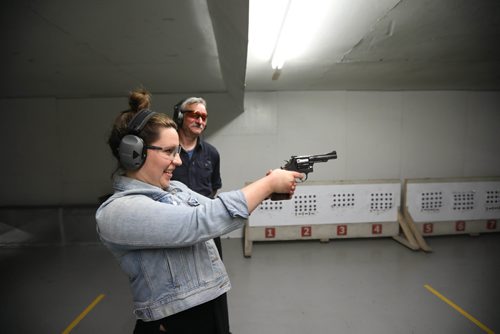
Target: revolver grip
(280,197)
(284,197)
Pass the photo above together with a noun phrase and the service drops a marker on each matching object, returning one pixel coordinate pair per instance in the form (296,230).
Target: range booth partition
(407,212)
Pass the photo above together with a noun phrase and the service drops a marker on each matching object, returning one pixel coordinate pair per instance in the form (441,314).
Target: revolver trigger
(304,179)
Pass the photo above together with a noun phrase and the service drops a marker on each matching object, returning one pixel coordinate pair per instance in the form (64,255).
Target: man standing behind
(200,169)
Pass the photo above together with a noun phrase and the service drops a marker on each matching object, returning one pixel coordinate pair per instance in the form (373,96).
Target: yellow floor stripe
(459,310)
(83,314)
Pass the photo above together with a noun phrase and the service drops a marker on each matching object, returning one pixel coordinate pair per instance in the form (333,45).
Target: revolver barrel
(324,157)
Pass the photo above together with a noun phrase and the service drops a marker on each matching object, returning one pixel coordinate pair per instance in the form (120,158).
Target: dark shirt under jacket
(201,173)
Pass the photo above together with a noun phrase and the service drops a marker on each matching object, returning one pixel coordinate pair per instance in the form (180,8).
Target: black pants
(222,303)
(205,318)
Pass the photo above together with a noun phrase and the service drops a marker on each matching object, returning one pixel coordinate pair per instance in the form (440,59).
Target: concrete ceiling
(97,48)
(396,45)
(59,48)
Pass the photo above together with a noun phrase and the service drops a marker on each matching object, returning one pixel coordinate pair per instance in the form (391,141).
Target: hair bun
(139,99)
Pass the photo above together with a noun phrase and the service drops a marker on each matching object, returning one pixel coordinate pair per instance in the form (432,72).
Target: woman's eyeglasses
(170,152)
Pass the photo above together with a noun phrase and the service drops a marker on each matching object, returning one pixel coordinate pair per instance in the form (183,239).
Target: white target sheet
(434,200)
(333,203)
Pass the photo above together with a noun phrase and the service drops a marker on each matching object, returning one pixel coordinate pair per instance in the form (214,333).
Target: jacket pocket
(158,270)
(205,262)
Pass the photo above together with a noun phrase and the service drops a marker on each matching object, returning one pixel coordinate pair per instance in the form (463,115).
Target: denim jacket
(163,242)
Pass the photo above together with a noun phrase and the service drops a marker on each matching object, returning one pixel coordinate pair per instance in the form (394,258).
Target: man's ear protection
(132,149)
(178,114)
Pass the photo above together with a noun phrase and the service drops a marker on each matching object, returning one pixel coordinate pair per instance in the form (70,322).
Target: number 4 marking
(377,229)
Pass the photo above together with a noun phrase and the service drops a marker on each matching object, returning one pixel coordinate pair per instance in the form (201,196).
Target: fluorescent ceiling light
(284,29)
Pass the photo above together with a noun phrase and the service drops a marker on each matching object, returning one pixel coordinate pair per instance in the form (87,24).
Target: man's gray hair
(193,100)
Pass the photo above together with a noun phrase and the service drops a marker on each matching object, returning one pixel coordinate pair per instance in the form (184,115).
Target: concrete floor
(344,286)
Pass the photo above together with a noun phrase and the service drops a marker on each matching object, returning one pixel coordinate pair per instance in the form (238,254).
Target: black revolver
(302,164)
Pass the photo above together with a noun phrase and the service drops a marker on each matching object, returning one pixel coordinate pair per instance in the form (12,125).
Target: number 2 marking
(306,231)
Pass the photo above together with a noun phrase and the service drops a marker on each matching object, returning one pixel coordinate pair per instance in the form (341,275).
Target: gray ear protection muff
(132,151)
(178,114)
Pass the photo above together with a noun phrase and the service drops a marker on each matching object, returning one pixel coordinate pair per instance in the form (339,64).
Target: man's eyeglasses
(170,152)
(196,115)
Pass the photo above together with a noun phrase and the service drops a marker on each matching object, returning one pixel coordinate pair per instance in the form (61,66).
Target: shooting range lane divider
(332,210)
(82,315)
(451,206)
(458,309)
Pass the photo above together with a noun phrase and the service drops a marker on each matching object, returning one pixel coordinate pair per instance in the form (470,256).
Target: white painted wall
(377,135)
